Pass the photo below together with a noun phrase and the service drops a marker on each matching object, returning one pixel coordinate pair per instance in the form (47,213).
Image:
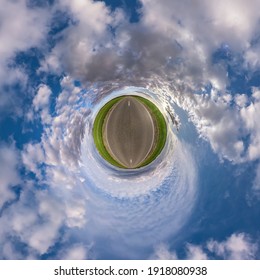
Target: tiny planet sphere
(129,132)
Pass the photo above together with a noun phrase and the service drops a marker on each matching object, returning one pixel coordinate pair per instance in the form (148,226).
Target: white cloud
(36,221)
(195,253)
(85,37)
(51,63)
(76,212)
(63,146)
(217,123)
(23,218)
(162,252)
(76,252)
(41,99)
(32,156)
(212,22)
(226,127)
(192,252)
(61,141)
(21,28)
(250,116)
(241,100)
(41,103)
(38,216)
(165,44)
(38,224)
(9,174)
(238,246)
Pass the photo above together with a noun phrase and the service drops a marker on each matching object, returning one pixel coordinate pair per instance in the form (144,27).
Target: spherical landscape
(129,131)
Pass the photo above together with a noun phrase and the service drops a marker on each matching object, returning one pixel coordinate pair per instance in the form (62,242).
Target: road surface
(128,132)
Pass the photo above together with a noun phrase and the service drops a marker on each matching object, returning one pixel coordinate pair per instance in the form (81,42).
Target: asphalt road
(129,132)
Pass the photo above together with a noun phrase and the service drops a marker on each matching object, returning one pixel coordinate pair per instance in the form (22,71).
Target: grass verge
(97,131)
(161,134)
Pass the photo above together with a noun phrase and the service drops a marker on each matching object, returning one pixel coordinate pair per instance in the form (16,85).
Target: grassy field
(160,137)
(97,131)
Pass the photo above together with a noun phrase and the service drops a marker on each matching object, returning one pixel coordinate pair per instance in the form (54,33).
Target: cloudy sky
(61,60)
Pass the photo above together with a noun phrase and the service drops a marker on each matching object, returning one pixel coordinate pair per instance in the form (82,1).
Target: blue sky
(61,60)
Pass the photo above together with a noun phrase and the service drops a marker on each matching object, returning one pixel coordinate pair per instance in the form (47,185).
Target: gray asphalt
(129,132)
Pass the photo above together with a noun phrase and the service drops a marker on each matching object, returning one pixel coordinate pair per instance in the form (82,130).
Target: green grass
(161,129)
(98,128)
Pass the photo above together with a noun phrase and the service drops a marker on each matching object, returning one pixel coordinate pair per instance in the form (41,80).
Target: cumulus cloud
(234,22)
(61,141)
(35,222)
(241,100)
(21,28)
(32,156)
(27,30)
(41,103)
(43,235)
(37,218)
(238,246)
(162,252)
(219,124)
(226,127)
(159,44)
(195,253)
(41,100)
(9,173)
(82,39)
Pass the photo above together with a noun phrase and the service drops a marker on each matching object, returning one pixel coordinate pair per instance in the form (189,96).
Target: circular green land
(159,125)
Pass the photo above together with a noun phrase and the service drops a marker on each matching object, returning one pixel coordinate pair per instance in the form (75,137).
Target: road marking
(131,161)
(129,103)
